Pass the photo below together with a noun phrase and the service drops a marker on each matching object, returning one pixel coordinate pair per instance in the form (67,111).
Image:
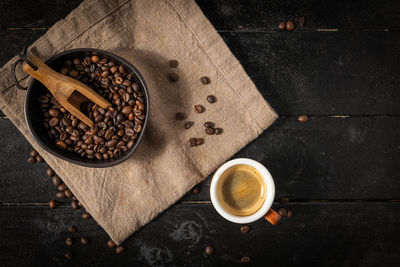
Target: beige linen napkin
(148,33)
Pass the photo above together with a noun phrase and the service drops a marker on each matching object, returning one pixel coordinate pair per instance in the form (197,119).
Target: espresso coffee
(241,190)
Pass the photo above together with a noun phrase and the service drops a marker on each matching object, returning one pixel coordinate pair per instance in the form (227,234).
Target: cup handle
(272,216)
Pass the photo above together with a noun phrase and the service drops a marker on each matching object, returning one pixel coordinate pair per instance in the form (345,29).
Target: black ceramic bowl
(33,115)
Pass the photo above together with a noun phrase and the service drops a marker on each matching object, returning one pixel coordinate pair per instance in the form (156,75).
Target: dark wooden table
(341,170)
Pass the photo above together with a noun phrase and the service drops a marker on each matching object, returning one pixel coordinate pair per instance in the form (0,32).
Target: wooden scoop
(70,93)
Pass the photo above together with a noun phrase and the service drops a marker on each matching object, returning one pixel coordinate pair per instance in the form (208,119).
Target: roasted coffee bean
(54,112)
(110,243)
(282,212)
(173,63)
(50,172)
(180,116)
(31,160)
(137,128)
(52,204)
(54,122)
(119,80)
(289,26)
(86,215)
(196,189)
(39,159)
(301,22)
(282,26)
(69,241)
(62,187)
(289,214)
(85,241)
(56,180)
(33,153)
(218,131)
(80,204)
(284,200)
(205,80)
(209,250)
(72,229)
(173,77)
(126,110)
(244,229)
(60,194)
(74,205)
(189,124)
(192,141)
(199,141)
(95,59)
(61,144)
(211,99)
(68,193)
(119,250)
(68,255)
(129,131)
(199,108)
(209,124)
(64,71)
(303,118)
(209,131)
(245,259)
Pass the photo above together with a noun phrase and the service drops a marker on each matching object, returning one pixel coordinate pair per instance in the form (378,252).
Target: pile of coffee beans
(115,129)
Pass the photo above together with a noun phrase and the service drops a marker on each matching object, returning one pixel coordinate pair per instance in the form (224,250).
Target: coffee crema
(241,190)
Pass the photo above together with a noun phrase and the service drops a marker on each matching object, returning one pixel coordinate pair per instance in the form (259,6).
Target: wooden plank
(326,158)
(334,234)
(314,73)
(33,14)
(233,15)
(254,15)
(323,72)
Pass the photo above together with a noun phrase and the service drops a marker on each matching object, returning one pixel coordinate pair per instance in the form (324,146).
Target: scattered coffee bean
(180,116)
(50,172)
(284,200)
(119,250)
(302,118)
(52,204)
(289,26)
(31,160)
(86,215)
(205,80)
(62,187)
(60,194)
(173,63)
(196,190)
(199,141)
(289,214)
(33,153)
(211,99)
(68,193)
(74,204)
(85,241)
(199,108)
(69,241)
(209,124)
(173,77)
(301,22)
(68,255)
(39,159)
(80,204)
(219,131)
(281,25)
(189,124)
(282,212)
(209,250)
(244,229)
(245,259)
(209,131)
(110,243)
(56,180)
(95,59)
(72,229)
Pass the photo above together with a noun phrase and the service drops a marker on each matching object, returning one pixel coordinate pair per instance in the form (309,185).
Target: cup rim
(268,181)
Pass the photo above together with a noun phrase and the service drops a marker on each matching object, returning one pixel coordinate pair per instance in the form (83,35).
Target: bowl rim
(81,163)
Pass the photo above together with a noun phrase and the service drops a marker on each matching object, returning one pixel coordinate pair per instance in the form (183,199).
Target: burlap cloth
(148,33)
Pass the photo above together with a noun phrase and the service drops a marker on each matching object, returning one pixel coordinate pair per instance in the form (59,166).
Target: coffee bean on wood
(62,187)
(119,250)
(209,131)
(189,124)
(74,204)
(211,99)
(173,63)
(60,194)
(173,77)
(282,26)
(86,216)
(302,118)
(289,26)
(56,180)
(245,259)
(282,212)
(33,153)
(39,159)
(244,229)
(219,131)
(50,172)
(209,250)
(52,204)
(31,160)
(69,241)
(85,241)
(68,255)
(110,243)
(72,229)
(199,108)
(196,190)
(205,80)
(116,85)
(209,124)
(289,214)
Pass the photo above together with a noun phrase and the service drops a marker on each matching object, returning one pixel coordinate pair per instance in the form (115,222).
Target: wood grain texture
(334,234)
(326,158)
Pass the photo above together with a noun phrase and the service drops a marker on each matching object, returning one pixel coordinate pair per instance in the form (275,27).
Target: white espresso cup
(264,211)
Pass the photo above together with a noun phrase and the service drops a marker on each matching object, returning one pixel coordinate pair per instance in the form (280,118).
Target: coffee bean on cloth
(179,166)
